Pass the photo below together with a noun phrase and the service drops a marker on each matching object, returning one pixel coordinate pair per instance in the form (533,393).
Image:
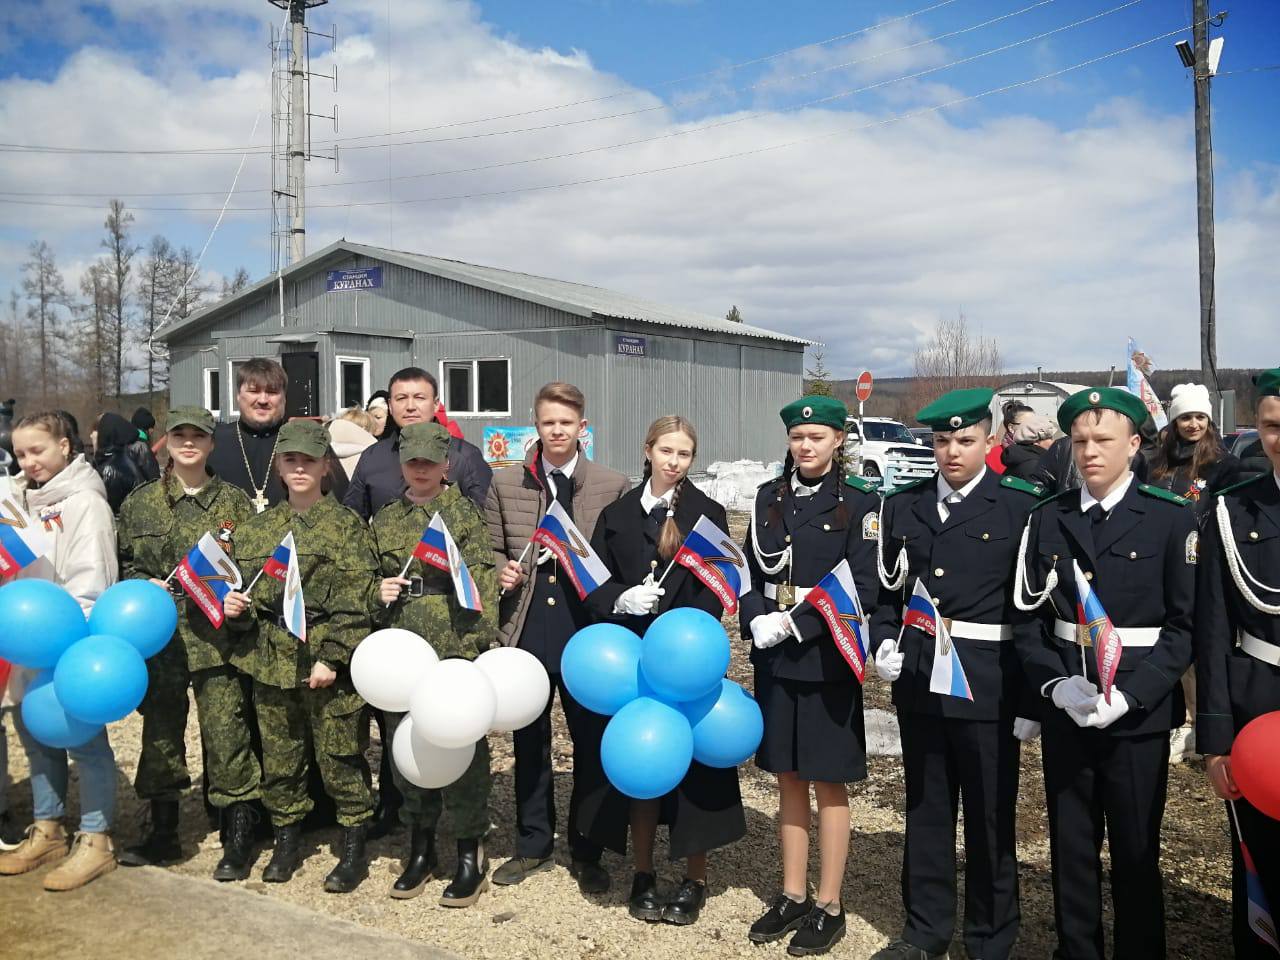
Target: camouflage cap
(303,436)
(197,417)
(424,441)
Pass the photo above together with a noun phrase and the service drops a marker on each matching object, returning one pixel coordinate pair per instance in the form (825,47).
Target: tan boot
(92,855)
(46,842)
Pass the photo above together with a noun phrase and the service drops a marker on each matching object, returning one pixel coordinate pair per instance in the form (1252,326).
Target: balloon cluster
(451,704)
(668,697)
(90,672)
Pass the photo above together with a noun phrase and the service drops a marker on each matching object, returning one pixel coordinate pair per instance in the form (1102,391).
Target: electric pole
(1204,199)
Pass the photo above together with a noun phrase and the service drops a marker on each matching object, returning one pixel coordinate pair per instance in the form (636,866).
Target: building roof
(575,298)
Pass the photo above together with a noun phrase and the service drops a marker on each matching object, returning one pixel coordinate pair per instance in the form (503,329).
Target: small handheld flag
(294,607)
(23,539)
(437,549)
(947,676)
(558,534)
(1260,921)
(1103,635)
(711,555)
(277,564)
(207,575)
(836,599)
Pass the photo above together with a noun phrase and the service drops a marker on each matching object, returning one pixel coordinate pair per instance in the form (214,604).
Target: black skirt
(812,729)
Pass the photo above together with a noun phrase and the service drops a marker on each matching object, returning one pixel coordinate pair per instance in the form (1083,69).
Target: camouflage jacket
(337,563)
(437,616)
(159,523)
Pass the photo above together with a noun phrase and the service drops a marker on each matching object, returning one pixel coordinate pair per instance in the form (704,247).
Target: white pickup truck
(884,448)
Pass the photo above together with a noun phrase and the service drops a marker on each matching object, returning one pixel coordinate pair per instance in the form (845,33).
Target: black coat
(819,539)
(1231,686)
(1142,566)
(966,564)
(227,461)
(1021,460)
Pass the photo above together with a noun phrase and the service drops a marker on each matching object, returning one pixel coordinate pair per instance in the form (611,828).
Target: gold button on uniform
(1133,554)
(551,578)
(787,538)
(1253,534)
(1088,575)
(826,526)
(986,536)
(936,601)
(551,601)
(938,571)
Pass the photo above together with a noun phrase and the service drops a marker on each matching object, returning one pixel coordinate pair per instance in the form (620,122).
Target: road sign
(863,390)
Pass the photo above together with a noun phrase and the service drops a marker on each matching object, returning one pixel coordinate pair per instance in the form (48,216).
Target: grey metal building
(345,318)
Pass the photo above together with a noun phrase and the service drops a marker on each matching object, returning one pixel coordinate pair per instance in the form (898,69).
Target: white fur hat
(1189,398)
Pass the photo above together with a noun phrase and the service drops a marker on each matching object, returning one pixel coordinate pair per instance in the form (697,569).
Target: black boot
(237,842)
(420,865)
(160,845)
(472,878)
(286,857)
(352,866)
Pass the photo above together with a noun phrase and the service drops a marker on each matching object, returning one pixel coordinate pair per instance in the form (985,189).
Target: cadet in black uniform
(958,534)
(803,524)
(1106,764)
(1237,642)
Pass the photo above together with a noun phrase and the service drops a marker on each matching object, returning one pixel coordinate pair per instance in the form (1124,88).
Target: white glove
(638,601)
(1105,714)
(1025,729)
(770,629)
(1076,696)
(889,661)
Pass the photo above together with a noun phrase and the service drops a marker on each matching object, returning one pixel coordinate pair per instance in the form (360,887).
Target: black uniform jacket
(1232,687)
(966,564)
(819,538)
(1141,565)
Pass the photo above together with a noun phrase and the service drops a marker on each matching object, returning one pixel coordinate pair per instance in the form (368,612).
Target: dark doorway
(302,396)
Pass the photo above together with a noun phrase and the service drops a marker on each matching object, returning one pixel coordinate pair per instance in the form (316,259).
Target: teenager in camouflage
(302,689)
(427,604)
(159,523)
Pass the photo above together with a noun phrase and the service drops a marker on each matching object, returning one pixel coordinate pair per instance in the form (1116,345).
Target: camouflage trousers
(467,798)
(230,764)
(331,718)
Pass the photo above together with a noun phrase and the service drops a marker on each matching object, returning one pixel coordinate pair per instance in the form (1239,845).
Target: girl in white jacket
(65,493)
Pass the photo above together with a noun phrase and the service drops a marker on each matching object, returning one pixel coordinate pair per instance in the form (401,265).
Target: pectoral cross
(259,501)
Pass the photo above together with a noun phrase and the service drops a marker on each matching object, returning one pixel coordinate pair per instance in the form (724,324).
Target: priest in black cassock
(242,450)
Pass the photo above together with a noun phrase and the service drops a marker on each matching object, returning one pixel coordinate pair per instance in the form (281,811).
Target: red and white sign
(863,390)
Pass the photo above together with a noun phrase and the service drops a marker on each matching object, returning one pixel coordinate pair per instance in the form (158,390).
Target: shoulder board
(1056,496)
(769,481)
(1161,494)
(1236,486)
(907,486)
(862,484)
(1017,483)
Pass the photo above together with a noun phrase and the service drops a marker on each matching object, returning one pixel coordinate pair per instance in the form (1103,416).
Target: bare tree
(189,288)
(156,290)
(43,286)
(954,358)
(120,254)
(95,336)
(237,283)
(12,351)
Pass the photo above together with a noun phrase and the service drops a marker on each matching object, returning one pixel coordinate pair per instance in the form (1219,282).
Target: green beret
(424,441)
(197,417)
(1101,398)
(825,411)
(303,436)
(1268,383)
(957,409)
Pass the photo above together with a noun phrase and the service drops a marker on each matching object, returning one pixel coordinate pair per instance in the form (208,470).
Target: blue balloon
(685,654)
(601,667)
(45,719)
(647,748)
(727,725)
(100,679)
(38,621)
(137,611)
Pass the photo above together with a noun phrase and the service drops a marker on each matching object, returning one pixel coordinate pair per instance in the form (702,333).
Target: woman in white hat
(1191,460)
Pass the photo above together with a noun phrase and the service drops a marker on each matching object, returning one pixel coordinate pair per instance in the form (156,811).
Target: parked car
(888,450)
(1248,448)
(923,435)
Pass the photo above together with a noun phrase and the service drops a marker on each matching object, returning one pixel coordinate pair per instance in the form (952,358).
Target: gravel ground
(546,916)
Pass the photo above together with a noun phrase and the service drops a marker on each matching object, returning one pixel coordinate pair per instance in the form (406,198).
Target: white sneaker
(1182,744)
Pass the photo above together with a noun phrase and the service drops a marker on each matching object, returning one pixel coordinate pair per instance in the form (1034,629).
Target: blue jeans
(96,766)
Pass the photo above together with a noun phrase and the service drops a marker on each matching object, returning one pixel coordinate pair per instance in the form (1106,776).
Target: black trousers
(945,762)
(1262,837)
(535,782)
(1095,782)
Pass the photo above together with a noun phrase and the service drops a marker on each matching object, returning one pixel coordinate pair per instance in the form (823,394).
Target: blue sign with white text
(340,280)
(629,346)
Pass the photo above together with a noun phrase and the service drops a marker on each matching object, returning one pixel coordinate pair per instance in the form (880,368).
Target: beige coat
(515,506)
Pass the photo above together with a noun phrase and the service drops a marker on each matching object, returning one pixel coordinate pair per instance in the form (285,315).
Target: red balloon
(1253,763)
(5,667)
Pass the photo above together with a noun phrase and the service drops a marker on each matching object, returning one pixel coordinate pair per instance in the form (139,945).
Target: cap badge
(956,421)
(807,412)
(1095,397)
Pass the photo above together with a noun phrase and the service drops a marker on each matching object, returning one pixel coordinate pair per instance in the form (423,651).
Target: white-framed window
(351,382)
(233,367)
(213,391)
(476,387)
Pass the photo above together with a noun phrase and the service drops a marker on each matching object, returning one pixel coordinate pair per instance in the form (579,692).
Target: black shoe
(353,865)
(645,904)
(160,846)
(517,869)
(684,907)
(471,878)
(238,821)
(286,857)
(818,933)
(901,950)
(10,836)
(780,919)
(419,866)
(592,878)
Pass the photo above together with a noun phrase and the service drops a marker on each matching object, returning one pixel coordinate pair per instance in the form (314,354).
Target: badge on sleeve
(871,526)
(1193,547)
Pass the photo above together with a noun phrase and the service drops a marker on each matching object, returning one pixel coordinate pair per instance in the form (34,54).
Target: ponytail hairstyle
(670,537)
(164,482)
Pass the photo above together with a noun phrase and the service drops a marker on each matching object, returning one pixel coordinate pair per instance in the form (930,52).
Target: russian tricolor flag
(1104,637)
(948,676)
(1260,921)
(711,555)
(207,575)
(836,598)
(294,607)
(23,540)
(277,564)
(437,549)
(558,534)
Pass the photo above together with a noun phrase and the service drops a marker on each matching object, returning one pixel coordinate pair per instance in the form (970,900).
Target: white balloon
(521,683)
(454,704)
(388,665)
(426,764)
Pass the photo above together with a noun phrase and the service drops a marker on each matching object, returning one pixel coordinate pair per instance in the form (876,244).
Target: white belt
(991,632)
(1129,636)
(1260,649)
(771,592)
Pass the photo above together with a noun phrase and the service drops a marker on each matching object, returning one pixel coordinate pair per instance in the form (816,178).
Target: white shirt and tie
(1108,502)
(948,496)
